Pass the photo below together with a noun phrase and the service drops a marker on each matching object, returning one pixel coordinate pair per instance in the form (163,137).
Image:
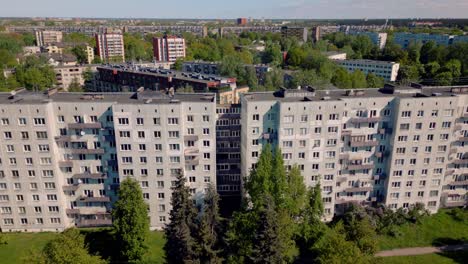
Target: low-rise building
(386,69)
(66,75)
(335,55)
(60,47)
(378,38)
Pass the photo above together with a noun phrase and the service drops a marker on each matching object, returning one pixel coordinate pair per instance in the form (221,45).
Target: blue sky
(317,9)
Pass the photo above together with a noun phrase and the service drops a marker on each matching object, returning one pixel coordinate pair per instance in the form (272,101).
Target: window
(206,118)
(288,119)
(7,135)
(41,135)
(173,134)
(123,121)
(190,118)
(124,134)
(139,121)
(43,148)
(39,121)
(141,134)
(406,114)
(22,121)
(255,117)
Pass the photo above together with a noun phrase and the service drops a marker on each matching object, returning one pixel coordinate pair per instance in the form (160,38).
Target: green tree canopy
(130,221)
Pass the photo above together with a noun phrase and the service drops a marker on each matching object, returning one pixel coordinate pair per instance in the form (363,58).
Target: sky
(310,9)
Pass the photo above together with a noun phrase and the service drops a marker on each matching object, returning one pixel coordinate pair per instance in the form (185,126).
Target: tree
(136,48)
(408,74)
(75,86)
(251,78)
(359,79)
(68,248)
(35,74)
(443,78)
(296,192)
(130,220)
(374,81)
(180,244)
(259,180)
(210,230)
(333,248)
(360,230)
(295,57)
(80,53)
(342,79)
(278,180)
(273,54)
(268,245)
(454,67)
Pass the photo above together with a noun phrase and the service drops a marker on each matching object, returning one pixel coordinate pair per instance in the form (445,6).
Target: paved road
(420,250)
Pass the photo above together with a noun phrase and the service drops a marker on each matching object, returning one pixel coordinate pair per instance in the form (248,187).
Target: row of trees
(280,222)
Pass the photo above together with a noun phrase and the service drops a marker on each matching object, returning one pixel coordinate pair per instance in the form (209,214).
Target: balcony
(460,161)
(360,166)
(95,176)
(463,138)
(191,151)
(455,203)
(458,183)
(343,156)
(63,138)
(346,133)
(358,189)
(227,149)
(193,161)
(97,221)
(358,144)
(73,211)
(87,151)
(85,126)
(379,154)
(101,199)
(356,120)
(191,138)
(345,201)
(65,163)
(70,187)
(379,177)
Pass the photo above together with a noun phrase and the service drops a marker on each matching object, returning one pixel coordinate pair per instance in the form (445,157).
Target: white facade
(64,154)
(385,69)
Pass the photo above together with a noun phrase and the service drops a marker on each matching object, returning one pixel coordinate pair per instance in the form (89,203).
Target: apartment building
(378,38)
(110,46)
(44,37)
(393,146)
(208,67)
(200,31)
(168,48)
(388,70)
(239,29)
(64,154)
(117,78)
(404,39)
(301,33)
(59,48)
(66,75)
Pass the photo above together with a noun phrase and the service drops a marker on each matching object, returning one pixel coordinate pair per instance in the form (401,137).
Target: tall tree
(75,86)
(359,79)
(374,81)
(130,220)
(296,194)
(259,180)
(268,244)
(210,230)
(180,244)
(67,248)
(278,179)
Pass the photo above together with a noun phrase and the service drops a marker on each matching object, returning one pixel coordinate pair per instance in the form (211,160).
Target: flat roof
(304,95)
(188,76)
(143,97)
(368,61)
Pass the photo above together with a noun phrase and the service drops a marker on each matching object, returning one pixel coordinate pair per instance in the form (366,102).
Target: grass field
(446,258)
(440,228)
(99,240)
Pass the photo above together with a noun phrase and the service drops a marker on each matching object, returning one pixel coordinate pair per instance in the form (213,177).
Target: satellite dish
(82,133)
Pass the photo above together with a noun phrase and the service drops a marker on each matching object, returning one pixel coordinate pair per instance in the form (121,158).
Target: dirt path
(420,250)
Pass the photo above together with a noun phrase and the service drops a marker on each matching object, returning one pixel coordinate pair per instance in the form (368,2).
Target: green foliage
(210,230)
(374,81)
(259,181)
(78,39)
(333,248)
(273,54)
(130,221)
(68,248)
(358,79)
(358,227)
(35,74)
(136,48)
(181,246)
(75,86)
(80,53)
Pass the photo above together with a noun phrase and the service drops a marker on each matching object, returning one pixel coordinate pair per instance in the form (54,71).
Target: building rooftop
(22,96)
(311,94)
(368,61)
(169,73)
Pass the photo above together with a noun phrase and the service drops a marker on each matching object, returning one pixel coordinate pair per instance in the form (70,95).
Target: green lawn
(440,228)
(99,240)
(446,258)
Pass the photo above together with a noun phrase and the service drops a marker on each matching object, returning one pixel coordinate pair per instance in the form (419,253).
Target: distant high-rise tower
(110,46)
(168,48)
(242,21)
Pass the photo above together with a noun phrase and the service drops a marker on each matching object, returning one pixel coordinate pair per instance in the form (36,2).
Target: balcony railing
(87,151)
(65,163)
(194,161)
(458,183)
(70,187)
(358,189)
(460,161)
(88,199)
(73,211)
(94,222)
(372,143)
(191,138)
(365,119)
(95,176)
(85,126)
(360,166)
